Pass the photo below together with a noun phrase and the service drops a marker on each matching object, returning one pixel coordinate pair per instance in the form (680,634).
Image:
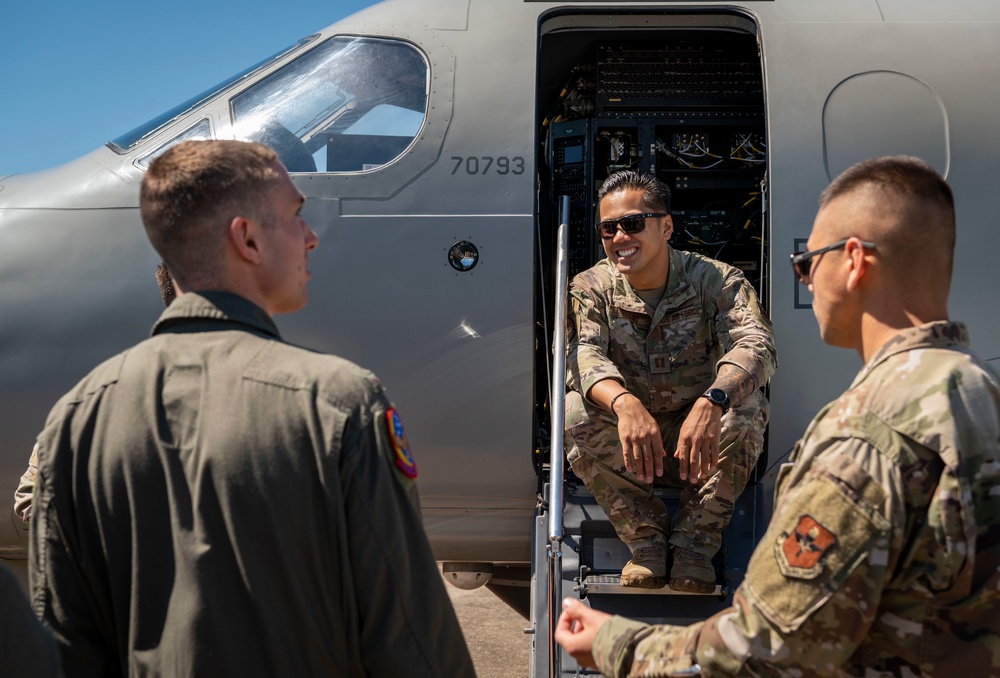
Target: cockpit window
(199,131)
(351,104)
(125,142)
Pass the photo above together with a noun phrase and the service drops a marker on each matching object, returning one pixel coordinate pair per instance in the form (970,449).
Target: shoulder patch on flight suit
(404,457)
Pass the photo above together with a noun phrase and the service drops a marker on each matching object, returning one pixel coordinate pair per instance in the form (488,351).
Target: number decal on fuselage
(485,164)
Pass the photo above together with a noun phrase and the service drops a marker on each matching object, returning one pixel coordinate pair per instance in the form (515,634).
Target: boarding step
(597,584)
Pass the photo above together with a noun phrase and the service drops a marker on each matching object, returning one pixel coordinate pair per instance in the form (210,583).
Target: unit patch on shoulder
(799,553)
(404,457)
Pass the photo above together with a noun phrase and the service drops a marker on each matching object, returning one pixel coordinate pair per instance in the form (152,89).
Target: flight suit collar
(678,290)
(190,310)
(938,334)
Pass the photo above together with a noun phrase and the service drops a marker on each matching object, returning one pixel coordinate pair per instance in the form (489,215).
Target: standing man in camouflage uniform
(883,554)
(217,502)
(667,351)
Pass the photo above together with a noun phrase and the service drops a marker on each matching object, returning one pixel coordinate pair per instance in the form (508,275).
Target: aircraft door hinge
(581,582)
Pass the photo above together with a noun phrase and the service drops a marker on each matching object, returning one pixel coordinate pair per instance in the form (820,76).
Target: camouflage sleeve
(587,331)
(815,581)
(26,488)
(624,647)
(750,343)
(811,592)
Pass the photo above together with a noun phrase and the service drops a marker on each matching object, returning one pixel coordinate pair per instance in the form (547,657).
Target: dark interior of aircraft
(687,105)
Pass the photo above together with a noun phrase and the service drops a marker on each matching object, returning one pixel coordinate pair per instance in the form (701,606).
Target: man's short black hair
(655,193)
(899,175)
(914,214)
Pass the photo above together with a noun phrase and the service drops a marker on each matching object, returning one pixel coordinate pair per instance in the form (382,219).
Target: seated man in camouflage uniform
(667,351)
(883,554)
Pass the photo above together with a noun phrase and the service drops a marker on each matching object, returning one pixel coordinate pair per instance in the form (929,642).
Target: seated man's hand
(697,450)
(576,629)
(642,443)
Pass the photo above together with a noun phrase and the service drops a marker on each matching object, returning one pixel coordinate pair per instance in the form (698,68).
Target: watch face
(717,395)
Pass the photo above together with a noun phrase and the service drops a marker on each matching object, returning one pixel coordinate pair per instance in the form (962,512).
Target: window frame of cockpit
(152,128)
(395,41)
(143,161)
(387,180)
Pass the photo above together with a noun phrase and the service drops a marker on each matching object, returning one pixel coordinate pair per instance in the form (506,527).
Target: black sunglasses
(633,223)
(802,261)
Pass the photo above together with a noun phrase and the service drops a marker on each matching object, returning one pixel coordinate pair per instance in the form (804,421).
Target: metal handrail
(557,415)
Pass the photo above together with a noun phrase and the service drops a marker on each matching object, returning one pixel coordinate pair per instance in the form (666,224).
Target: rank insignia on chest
(660,363)
(404,457)
(800,551)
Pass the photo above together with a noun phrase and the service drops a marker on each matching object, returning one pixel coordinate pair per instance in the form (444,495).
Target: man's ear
(668,227)
(857,265)
(244,236)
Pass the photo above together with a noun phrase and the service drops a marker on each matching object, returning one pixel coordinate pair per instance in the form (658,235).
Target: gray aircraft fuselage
(470,159)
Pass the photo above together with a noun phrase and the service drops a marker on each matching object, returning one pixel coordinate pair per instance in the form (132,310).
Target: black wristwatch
(717,396)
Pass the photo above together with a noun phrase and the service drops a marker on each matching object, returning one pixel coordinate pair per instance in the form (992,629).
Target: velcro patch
(683,314)
(404,457)
(660,363)
(799,553)
(835,527)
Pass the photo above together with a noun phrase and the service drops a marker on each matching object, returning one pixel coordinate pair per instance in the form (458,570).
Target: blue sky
(79,74)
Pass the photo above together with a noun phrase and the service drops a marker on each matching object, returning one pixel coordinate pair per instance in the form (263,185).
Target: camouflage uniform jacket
(883,554)
(708,315)
(217,502)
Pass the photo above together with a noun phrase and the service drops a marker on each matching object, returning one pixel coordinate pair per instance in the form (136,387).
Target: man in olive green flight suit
(883,554)
(214,501)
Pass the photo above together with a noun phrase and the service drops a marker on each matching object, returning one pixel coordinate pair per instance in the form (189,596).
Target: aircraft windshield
(352,104)
(125,142)
(200,130)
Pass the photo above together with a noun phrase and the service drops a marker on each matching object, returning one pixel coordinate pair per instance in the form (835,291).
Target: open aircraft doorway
(681,97)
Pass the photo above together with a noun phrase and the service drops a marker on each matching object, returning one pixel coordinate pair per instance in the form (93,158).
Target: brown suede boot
(647,569)
(691,572)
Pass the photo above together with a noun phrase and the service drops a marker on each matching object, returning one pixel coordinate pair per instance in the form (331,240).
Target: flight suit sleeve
(811,592)
(25,489)
(587,359)
(745,329)
(407,623)
(60,574)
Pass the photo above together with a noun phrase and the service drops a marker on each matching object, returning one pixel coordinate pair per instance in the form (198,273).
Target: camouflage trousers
(594,452)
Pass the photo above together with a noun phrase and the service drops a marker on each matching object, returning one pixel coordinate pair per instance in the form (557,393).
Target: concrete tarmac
(494,633)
